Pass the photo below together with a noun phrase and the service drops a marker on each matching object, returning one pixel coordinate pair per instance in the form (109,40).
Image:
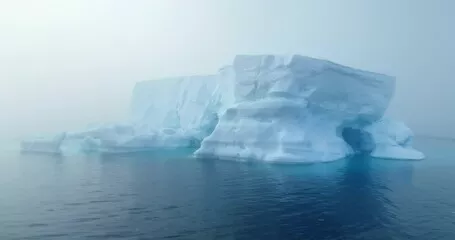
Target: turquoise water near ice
(151,196)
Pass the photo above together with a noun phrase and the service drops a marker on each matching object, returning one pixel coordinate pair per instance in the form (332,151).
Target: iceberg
(261,107)
(43,145)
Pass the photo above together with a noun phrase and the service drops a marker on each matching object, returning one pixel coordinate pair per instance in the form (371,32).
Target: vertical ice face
(295,109)
(265,107)
(174,102)
(187,105)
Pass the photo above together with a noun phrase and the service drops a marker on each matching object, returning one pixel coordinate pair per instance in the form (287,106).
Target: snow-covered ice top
(263,107)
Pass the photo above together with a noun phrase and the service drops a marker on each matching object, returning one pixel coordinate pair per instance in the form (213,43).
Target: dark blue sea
(150,196)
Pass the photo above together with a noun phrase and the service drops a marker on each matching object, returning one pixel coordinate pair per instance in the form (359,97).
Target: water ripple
(142,197)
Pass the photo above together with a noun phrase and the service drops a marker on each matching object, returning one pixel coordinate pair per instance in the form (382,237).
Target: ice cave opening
(359,140)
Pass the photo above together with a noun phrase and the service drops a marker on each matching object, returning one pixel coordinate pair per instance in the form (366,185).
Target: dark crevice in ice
(360,141)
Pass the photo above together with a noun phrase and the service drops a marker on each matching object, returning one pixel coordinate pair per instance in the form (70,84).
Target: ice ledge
(393,140)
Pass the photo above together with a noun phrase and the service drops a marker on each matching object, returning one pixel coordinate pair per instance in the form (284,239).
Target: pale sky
(67,63)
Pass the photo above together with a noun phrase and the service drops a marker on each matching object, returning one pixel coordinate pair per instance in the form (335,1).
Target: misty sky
(66,63)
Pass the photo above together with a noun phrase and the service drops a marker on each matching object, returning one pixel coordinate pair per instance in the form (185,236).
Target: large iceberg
(262,107)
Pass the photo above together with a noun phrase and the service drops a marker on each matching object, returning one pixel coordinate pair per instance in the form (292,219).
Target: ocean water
(149,196)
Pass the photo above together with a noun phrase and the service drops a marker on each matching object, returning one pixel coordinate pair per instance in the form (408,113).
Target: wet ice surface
(156,196)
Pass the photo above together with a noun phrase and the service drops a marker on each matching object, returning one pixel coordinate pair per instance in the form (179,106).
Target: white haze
(67,63)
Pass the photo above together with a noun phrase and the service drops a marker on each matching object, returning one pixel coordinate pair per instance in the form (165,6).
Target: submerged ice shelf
(262,107)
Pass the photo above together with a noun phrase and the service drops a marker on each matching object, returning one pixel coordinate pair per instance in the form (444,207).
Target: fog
(64,64)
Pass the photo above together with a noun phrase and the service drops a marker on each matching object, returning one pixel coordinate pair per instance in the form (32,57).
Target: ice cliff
(266,107)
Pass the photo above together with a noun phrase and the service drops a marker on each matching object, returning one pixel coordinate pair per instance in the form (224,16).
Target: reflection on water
(146,196)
